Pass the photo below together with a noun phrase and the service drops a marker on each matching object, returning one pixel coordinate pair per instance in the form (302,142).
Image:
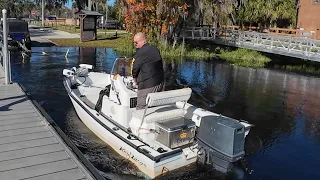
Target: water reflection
(87,55)
(283,106)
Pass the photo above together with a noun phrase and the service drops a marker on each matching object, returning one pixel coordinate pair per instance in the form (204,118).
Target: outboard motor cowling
(82,72)
(220,142)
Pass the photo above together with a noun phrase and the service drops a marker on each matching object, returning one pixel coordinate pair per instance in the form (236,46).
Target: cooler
(176,133)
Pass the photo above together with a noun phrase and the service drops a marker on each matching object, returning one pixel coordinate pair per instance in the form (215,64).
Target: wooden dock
(31,147)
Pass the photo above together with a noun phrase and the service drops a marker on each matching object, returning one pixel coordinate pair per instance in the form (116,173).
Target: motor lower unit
(220,142)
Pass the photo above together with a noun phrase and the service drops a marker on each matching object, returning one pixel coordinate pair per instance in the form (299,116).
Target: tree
(152,17)
(23,8)
(162,18)
(267,12)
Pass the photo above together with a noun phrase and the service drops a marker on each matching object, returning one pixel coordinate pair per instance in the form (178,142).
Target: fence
(304,48)
(277,31)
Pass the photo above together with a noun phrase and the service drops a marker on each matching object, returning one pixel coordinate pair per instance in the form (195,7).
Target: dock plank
(21,126)
(14,112)
(5,88)
(18,121)
(28,144)
(19,138)
(8,102)
(11,93)
(22,104)
(32,151)
(30,148)
(33,160)
(38,170)
(5,97)
(15,107)
(72,174)
(22,131)
(17,116)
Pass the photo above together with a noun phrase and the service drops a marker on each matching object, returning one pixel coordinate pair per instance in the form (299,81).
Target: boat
(168,134)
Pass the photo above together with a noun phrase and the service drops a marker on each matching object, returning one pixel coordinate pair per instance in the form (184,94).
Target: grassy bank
(123,44)
(108,41)
(245,58)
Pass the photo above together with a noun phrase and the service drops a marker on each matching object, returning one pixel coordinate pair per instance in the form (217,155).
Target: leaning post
(6,62)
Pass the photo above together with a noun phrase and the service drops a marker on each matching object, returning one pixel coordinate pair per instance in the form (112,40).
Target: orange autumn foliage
(153,15)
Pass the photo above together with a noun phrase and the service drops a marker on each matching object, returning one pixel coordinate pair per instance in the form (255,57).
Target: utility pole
(106,20)
(42,11)
(89,5)
(107,10)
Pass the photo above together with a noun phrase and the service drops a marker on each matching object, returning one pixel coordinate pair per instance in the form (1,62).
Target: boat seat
(161,106)
(159,113)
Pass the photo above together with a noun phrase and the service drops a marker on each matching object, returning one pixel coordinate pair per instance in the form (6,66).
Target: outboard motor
(220,142)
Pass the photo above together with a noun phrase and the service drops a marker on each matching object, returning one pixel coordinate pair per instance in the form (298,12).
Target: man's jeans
(143,93)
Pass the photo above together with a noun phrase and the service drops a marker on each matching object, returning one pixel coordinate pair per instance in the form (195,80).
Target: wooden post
(192,32)
(81,27)
(95,28)
(76,23)
(289,44)
(225,35)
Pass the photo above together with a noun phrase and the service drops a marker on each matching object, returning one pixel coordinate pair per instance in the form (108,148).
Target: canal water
(283,106)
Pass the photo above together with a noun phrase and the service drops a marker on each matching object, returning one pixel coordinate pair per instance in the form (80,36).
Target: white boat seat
(168,97)
(161,106)
(159,113)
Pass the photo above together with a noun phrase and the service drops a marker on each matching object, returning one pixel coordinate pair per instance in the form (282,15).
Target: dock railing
(299,47)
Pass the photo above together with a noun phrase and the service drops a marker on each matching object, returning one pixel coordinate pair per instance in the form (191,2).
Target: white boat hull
(105,103)
(145,164)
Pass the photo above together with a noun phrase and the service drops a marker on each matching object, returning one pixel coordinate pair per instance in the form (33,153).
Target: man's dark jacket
(148,67)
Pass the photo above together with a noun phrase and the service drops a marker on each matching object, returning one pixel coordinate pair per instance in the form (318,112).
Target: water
(283,106)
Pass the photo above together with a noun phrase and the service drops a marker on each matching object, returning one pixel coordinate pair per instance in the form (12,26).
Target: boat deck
(30,147)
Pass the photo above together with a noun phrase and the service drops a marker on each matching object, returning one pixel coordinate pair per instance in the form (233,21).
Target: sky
(69,3)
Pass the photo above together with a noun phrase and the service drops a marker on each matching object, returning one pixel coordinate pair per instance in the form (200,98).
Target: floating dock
(32,146)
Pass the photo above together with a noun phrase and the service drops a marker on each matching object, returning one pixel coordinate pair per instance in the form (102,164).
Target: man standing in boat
(147,69)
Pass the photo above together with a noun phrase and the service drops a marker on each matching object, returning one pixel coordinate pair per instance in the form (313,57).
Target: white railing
(299,47)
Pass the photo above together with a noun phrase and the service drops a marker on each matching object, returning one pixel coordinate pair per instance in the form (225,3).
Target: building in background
(309,17)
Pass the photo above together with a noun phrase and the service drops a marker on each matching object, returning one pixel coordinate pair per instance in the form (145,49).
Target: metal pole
(5,48)
(42,13)
(106,20)
(89,5)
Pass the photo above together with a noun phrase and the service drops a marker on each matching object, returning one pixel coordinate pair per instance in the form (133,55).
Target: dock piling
(6,60)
